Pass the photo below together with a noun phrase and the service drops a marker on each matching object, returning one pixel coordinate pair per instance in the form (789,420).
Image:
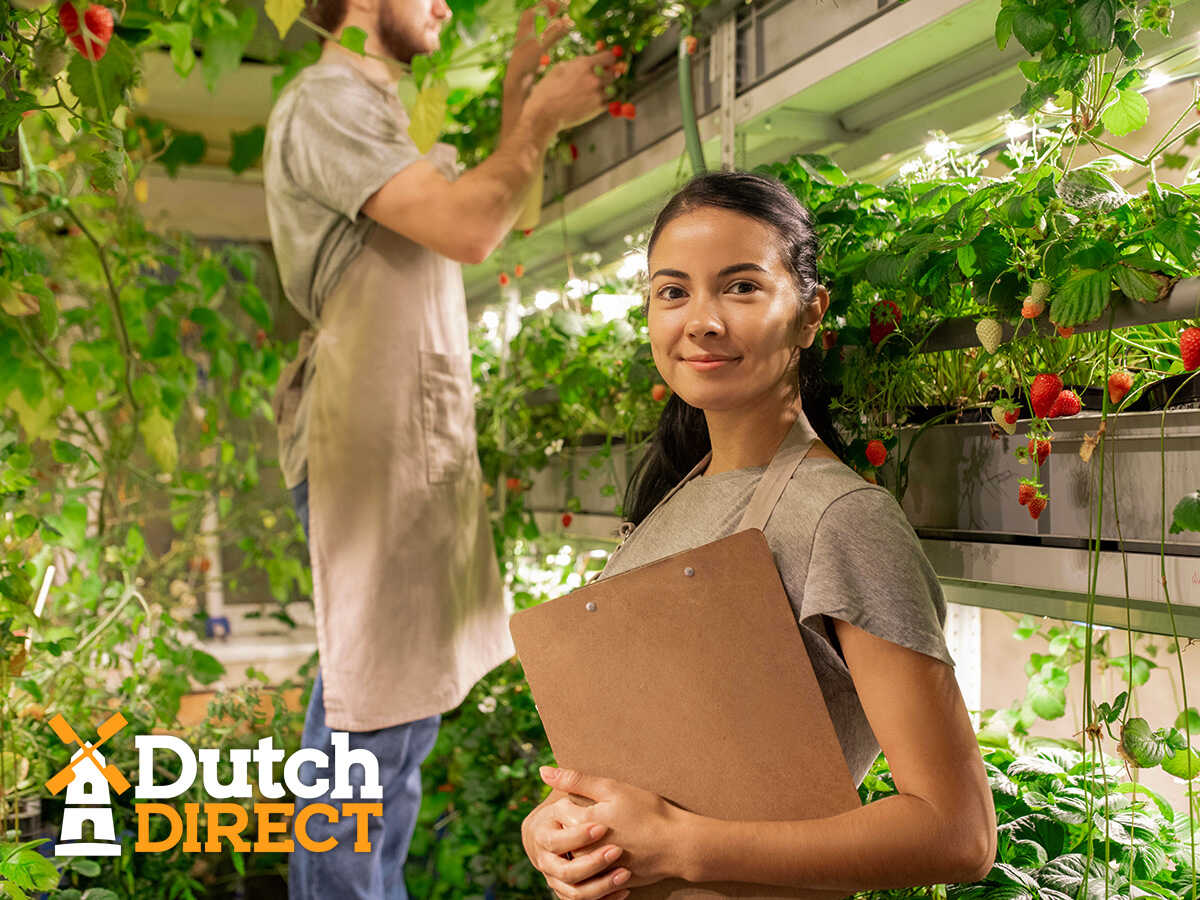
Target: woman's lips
(705,365)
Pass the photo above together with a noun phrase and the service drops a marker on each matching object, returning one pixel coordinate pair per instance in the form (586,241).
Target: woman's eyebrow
(728,270)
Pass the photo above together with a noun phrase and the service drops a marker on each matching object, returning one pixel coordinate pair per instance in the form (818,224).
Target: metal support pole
(725,55)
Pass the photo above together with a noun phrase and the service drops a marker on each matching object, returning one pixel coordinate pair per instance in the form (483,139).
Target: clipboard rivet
(590,606)
(689,571)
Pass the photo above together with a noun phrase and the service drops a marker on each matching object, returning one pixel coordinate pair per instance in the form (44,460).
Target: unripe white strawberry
(989,332)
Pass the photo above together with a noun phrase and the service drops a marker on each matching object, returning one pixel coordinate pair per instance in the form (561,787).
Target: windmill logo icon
(87,779)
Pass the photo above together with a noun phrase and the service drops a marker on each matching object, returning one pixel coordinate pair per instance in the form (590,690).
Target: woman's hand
(567,849)
(647,830)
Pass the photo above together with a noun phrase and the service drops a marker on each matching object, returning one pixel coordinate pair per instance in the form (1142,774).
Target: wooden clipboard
(689,677)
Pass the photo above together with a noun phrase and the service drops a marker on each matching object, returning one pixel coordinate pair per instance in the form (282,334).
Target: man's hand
(528,49)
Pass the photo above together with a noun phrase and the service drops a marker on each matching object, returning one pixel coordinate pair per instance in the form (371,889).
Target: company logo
(89,780)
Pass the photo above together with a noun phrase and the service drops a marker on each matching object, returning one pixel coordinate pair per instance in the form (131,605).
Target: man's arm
(516,91)
(468,218)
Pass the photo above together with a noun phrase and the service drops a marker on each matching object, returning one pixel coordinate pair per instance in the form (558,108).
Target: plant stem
(691,134)
(123,332)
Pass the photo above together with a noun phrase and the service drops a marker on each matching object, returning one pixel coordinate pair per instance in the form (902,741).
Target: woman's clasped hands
(627,838)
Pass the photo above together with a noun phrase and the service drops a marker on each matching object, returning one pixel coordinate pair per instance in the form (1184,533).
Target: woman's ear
(811,316)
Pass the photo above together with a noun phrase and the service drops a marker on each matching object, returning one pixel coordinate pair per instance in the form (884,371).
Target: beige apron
(410,610)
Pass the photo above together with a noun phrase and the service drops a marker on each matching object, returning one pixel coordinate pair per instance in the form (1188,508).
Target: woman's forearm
(897,841)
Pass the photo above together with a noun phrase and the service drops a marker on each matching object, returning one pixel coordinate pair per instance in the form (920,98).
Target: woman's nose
(704,318)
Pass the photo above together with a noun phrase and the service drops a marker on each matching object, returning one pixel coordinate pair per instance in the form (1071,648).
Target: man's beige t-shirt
(378,413)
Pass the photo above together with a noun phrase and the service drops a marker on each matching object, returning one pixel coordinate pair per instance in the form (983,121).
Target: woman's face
(724,316)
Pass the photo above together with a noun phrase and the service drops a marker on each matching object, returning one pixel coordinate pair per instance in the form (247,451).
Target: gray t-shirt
(844,550)
(333,139)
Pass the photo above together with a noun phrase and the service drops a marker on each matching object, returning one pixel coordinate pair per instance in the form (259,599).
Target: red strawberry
(97,31)
(574,153)
(1044,392)
(614,109)
(884,316)
(566,520)
(260,338)
(518,270)
(1067,404)
(690,44)
(1010,417)
(513,484)
(503,278)
(1026,491)
(1119,384)
(617,51)
(527,232)
(1189,349)
(658,393)
(1039,447)
(544,60)
(599,45)
(1065,331)
(876,453)
(1037,504)
(628,110)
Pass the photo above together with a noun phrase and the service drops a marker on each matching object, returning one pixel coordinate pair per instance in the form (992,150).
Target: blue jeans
(400,749)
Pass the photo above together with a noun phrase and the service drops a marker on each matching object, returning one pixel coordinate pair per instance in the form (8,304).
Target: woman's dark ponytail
(681,439)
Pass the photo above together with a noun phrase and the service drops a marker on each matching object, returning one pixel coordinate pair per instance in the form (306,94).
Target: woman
(733,310)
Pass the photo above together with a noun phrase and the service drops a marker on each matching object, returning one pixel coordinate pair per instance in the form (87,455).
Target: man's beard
(393,38)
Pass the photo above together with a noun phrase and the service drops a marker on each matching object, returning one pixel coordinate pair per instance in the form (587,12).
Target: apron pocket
(448,414)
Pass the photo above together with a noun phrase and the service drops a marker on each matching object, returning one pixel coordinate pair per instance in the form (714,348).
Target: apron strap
(770,488)
(783,465)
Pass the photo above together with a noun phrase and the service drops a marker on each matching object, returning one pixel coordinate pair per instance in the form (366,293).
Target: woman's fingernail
(611,854)
(596,830)
(548,773)
(621,877)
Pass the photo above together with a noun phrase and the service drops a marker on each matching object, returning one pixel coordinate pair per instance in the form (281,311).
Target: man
(376,416)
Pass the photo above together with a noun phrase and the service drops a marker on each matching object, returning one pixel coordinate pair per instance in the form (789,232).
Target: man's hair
(328,14)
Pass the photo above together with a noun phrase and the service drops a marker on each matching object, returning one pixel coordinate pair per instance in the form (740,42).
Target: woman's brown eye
(753,287)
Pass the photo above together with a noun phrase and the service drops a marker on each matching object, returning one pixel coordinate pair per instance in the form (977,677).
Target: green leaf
(225,45)
(1184,764)
(1004,26)
(1186,517)
(1032,30)
(252,302)
(1089,188)
(1139,743)
(354,38)
(88,868)
(1181,238)
(1026,628)
(186,148)
(428,114)
(1136,284)
(116,71)
(1093,25)
(1187,720)
(1047,692)
(283,13)
(177,36)
(12,110)
(71,522)
(135,545)
(1082,298)
(159,434)
(1128,114)
(247,148)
